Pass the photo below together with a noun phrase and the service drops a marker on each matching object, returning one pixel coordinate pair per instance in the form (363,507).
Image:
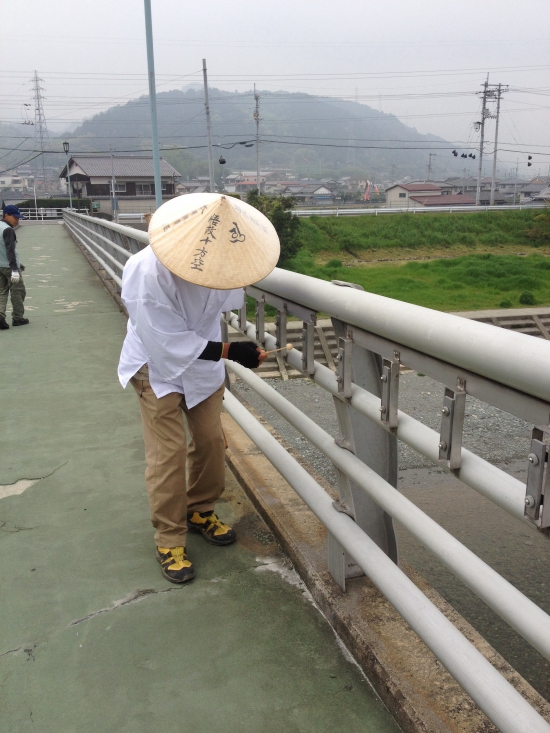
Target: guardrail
(45,213)
(411,210)
(375,336)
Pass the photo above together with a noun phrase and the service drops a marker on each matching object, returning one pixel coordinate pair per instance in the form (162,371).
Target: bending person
(203,249)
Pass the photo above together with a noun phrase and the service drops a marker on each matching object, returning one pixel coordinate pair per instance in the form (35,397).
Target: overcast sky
(422,60)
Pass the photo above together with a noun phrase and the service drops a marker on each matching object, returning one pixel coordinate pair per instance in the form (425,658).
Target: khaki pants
(166,455)
(16,290)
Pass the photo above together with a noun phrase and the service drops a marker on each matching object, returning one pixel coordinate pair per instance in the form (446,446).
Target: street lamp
(66,149)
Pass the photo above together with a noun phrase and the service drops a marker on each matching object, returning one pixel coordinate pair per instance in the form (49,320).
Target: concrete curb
(412,683)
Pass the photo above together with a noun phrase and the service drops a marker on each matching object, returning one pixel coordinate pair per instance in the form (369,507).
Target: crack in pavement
(12,528)
(134,597)
(18,487)
(139,594)
(29,651)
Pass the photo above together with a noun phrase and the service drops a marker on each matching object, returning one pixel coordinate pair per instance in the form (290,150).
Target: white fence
(411,210)
(375,336)
(47,213)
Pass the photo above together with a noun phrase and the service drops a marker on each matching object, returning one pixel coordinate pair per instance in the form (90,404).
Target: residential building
(310,193)
(398,196)
(91,176)
(16,181)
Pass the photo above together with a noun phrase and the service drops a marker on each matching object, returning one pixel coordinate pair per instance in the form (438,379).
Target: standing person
(203,249)
(11,280)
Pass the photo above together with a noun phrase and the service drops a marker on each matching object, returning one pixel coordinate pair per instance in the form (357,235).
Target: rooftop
(122,165)
(416,186)
(454,200)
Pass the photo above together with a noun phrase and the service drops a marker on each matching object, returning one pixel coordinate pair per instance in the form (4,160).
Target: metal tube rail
(107,241)
(80,232)
(102,262)
(501,355)
(136,234)
(493,483)
(510,604)
(502,704)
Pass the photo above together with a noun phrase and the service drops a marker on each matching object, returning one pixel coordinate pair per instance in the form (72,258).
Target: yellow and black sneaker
(211,528)
(175,565)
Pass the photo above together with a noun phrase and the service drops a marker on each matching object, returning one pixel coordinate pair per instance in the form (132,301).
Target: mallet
(288,347)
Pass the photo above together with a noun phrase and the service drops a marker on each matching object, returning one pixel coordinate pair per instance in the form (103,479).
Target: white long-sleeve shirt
(170,322)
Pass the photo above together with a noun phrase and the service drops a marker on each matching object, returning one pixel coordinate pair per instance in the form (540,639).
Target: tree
(278,211)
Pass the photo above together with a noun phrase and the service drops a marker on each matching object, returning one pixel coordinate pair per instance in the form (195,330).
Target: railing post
(372,443)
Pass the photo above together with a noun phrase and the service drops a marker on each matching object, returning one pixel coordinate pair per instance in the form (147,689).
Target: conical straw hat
(214,240)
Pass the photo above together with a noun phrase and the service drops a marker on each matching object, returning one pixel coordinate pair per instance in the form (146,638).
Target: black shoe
(19,321)
(175,565)
(3,324)
(211,528)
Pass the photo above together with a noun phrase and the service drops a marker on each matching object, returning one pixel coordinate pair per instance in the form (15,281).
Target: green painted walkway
(92,638)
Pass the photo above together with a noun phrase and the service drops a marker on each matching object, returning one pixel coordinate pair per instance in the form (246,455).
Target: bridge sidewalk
(92,637)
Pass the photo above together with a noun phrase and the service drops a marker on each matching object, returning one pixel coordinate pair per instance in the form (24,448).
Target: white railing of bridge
(47,213)
(336,211)
(375,336)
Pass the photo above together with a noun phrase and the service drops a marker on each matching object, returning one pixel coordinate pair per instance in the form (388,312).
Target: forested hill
(292,121)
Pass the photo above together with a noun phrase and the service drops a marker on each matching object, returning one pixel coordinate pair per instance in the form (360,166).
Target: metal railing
(376,335)
(412,210)
(46,213)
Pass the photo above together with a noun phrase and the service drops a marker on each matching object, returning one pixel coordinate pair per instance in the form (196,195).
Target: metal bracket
(536,510)
(242,318)
(343,371)
(341,566)
(346,438)
(295,309)
(308,348)
(390,392)
(452,424)
(280,328)
(260,322)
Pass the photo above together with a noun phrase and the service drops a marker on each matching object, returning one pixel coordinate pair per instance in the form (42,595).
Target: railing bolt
(529,501)
(532,458)
(383,410)
(445,411)
(443,445)
(384,378)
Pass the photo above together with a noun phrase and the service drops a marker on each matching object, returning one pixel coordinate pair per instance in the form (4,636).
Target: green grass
(471,282)
(361,235)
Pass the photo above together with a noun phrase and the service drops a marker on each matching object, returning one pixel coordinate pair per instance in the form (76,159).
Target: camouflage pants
(16,290)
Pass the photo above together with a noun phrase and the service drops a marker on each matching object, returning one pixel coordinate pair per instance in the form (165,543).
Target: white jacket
(170,323)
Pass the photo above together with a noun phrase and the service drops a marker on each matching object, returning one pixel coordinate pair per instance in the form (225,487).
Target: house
(16,181)
(459,199)
(353,183)
(532,189)
(312,193)
(91,176)
(398,196)
(543,197)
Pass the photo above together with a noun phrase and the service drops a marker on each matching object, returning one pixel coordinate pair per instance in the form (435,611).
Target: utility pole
(499,91)
(481,125)
(153,103)
(429,166)
(208,130)
(257,120)
(114,203)
(41,136)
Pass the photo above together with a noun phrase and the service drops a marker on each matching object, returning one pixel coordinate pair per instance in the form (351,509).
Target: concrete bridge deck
(92,638)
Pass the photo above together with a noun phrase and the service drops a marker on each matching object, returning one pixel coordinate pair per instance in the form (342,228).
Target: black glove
(245,353)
